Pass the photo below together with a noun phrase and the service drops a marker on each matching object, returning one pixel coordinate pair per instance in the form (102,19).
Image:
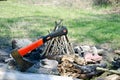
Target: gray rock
(14,75)
(41,70)
(94,50)
(45,66)
(19,43)
(85,48)
(51,64)
(3,55)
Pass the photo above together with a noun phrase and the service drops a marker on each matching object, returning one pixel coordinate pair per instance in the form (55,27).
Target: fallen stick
(70,45)
(107,70)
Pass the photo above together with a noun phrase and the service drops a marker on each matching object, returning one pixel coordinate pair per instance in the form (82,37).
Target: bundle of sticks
(59,45)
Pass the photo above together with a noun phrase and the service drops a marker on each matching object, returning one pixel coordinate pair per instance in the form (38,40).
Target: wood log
(59,45)
(70,45)
(107,70)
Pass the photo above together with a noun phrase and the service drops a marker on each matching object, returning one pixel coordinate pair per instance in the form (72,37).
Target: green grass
(31,21)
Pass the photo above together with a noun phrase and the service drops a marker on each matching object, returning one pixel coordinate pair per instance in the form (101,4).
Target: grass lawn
(85,26)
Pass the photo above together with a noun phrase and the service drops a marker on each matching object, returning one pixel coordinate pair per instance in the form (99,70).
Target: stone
(89,57)
(105,46)
(94,50)
(3,53)
(116,63)
(19,43)
(79,50)
(15,75)
(46,63)
(3,56)
(100,51)
(117,51)
(85,48)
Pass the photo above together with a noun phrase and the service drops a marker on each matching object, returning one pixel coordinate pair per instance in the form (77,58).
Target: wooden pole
(107,70)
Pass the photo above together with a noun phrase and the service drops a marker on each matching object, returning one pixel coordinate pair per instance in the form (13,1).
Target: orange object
(23,51)
(17,54)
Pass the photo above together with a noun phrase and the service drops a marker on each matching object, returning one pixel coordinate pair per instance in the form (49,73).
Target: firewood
(58,45)
(68,57)
(66,68)
(74,58)
(107,70)
(79,60)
